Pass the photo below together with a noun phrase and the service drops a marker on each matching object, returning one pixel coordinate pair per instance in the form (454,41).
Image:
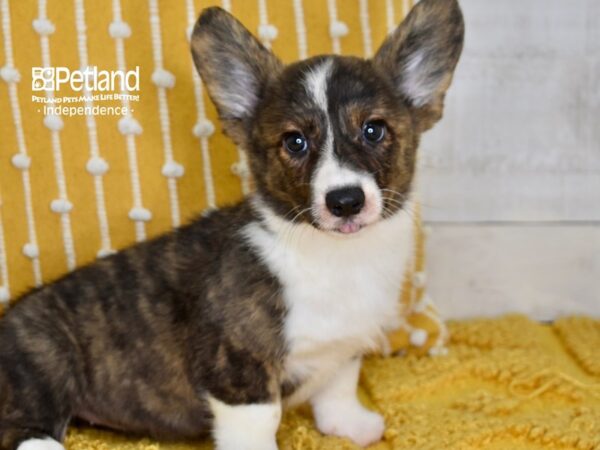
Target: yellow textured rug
(506,383)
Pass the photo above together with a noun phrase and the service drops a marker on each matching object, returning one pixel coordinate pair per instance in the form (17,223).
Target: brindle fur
(137,340)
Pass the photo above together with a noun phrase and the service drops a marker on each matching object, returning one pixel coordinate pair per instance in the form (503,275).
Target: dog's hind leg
(31,416)
(38,383)
(33,413)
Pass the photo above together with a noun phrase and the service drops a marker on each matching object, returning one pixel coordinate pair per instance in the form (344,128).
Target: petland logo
(89,79)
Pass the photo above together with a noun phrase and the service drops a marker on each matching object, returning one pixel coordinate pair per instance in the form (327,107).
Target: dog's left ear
(421,55)
(234,66)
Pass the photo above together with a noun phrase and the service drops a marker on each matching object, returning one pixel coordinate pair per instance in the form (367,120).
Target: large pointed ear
(234,66)
(421,55)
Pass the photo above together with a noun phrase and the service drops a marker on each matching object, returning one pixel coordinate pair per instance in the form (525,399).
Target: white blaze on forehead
(330,173)
(316,83)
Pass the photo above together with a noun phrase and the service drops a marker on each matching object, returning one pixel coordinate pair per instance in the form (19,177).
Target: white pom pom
(43,27)
(104,252)
(267,32)
(163,78)
(338,29)
(140,214)
(21,161)
(240,169)
(438,351)
(426,299)
(128,125)
(53,122)
(204,128)
(420,306)
(188,32)
(10,74)
(119,29)
(172,169)
(61,206)
(31,251)
(4,294)
(419,279)
(97,166)
(418,337)
(207,212)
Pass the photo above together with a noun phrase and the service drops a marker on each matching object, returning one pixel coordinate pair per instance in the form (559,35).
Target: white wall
(514,166)
(520,139)
(544,271)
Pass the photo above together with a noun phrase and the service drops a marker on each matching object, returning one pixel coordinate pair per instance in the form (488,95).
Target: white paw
(241,445)
(362,426)
(245,427)
(40,444)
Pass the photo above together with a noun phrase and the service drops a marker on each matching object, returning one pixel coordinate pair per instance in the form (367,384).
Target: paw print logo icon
(42,79)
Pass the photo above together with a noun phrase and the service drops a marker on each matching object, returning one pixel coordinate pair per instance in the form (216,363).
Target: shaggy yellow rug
(506,383)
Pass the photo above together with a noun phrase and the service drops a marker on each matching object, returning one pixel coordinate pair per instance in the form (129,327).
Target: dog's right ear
(234,66)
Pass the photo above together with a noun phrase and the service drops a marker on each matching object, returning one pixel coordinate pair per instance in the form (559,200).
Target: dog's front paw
(362,426)
(40,444)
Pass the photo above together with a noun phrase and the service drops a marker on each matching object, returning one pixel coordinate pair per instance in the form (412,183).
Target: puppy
(265,304)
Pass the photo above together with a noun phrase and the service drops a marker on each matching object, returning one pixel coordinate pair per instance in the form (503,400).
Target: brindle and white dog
(264,304)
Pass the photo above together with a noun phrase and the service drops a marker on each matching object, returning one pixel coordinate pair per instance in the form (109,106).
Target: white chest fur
(342,292)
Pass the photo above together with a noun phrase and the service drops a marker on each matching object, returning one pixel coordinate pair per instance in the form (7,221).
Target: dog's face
(332,140)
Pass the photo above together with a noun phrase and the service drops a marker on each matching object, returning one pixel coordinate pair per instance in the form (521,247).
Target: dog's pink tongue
(349,227)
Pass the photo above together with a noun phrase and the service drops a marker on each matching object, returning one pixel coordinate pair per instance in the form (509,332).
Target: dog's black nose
(345,202)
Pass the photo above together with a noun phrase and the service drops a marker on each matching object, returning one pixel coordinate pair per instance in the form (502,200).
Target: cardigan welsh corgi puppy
(269,303)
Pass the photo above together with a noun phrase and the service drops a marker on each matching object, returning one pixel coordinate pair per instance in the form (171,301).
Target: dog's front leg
(338,411)
(245,427)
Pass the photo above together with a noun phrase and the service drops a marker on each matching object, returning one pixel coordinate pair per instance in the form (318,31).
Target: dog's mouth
(346,226)
(354,224)
(349,227)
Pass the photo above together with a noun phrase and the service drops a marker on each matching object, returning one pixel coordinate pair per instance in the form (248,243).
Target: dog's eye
(295,143)
(374,131)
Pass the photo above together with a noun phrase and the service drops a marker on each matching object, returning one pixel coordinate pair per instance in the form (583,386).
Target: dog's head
(332,140)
